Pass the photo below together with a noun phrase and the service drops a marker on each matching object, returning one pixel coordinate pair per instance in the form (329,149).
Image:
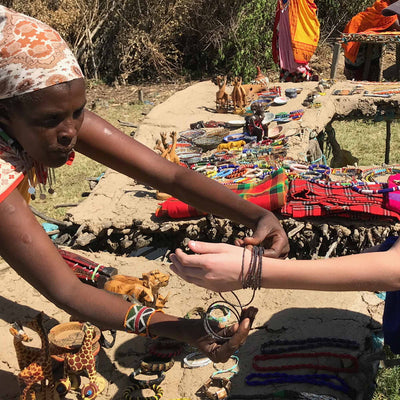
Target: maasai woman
(42,120)
(295,38)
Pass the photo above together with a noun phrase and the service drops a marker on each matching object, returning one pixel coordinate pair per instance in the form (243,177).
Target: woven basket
(69,337)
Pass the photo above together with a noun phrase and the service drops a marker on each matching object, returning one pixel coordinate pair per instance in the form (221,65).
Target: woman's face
(47,123)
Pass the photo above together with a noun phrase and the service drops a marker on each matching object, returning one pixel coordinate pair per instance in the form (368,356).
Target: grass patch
(366,140)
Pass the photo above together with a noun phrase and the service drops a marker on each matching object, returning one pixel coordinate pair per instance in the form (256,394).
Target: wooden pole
(335,60)
(140,95)
(388,135)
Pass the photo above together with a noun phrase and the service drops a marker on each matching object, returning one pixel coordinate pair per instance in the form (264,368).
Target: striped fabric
(269,194)
(308,199)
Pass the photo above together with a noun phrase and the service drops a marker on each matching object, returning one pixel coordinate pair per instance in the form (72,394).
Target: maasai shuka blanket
(310,199)
(369,21)
(270,194)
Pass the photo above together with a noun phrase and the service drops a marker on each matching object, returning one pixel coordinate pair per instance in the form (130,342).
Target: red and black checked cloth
(271,194)
(308,199)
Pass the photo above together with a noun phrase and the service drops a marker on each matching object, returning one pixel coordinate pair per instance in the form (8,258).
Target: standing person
(295,39)
(42,120)
(370,21)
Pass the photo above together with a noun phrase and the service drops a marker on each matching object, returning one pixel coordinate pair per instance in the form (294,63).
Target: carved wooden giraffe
(35,364)
(83,361)
(222,100)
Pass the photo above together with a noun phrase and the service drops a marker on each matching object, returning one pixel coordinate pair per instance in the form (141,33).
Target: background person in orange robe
(295,39)
(369,21)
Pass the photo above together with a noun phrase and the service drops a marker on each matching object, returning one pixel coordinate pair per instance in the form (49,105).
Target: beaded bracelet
(154,364)
(158,392)
(233,370)
(137,319)
(225,310)
(164,351)
(222,383)
(156,381)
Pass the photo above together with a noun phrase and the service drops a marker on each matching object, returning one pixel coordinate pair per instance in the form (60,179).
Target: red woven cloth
(270,194)
(308,199)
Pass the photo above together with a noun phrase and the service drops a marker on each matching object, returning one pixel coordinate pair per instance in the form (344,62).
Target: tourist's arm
(106,144)
(25,246)
(218,267)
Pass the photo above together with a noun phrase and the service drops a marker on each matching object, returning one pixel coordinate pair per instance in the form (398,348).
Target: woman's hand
(271,235)
(215,266)
(221,351)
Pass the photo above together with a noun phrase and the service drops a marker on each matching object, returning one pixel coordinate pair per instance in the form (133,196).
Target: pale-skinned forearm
(369,271)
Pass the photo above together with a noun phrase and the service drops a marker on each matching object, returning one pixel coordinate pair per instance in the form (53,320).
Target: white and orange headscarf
(33,55)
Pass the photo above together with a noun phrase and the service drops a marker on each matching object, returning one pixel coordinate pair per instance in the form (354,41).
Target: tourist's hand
(214,266)
(270,234)
(220,351)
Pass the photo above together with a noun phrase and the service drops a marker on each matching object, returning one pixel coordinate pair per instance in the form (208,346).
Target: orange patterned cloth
(32,55)
(304,29)
(369,21)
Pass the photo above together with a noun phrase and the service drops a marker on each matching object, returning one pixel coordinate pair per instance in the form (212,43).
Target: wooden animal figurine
(144,290)
(222,100)
(35,364)
(238,96)
(231,145)
(168,152)
(261,78)
(83,361)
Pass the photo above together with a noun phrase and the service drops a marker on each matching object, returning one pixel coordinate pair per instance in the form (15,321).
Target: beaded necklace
(332,381)
(310,343)
(262,357)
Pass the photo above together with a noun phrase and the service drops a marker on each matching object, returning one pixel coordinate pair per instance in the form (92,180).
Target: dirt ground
(283,314)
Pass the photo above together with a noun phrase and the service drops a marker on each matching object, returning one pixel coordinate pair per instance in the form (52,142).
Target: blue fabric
(391,313)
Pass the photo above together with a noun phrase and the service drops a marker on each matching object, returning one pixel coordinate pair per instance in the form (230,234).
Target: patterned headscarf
(33,55)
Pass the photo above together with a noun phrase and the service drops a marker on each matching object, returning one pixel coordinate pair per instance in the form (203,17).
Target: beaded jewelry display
(128,392)
(137,319)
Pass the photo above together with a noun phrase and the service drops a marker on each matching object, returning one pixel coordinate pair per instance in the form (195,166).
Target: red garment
(308,199)
(369,21)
